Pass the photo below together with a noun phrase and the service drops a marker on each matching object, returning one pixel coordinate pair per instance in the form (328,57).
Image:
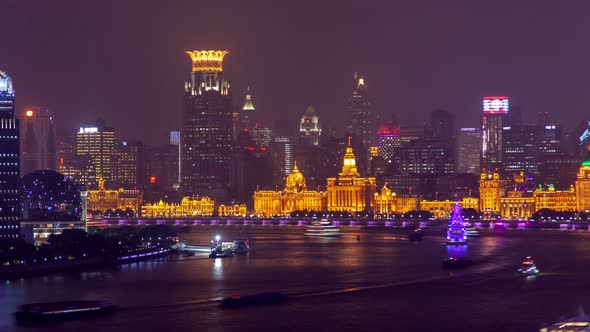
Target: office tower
(10,205)
(411,133)
(467,156)
(247,117)
(548,139)
(282,158)
(442,125)
(261,134)
(252,167)
(37,140)
(207,129)
(130,164)
(494,110)
(388,141)
(77,168)
(362,122)
(426,157)
(97,142)
(519,150)
(309,127)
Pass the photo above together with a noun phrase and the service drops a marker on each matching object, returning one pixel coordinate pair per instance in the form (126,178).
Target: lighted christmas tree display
(456,233)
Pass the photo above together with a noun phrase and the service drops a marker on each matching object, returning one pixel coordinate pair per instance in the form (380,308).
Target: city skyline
(407,74)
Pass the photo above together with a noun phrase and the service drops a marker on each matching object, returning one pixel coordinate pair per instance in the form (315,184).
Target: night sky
(124,60)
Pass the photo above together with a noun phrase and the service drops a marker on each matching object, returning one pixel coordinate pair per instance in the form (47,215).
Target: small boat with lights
(38,312)
(528,268)
(322,228)
(579,323)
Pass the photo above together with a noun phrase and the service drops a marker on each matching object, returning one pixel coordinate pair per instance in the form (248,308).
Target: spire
(248,105)
(295,169)
(349,162)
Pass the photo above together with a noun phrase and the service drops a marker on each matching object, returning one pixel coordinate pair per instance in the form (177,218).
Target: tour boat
(322,229)
(456,234)
(528,267)
(579,323)
(63,310)
(471,232)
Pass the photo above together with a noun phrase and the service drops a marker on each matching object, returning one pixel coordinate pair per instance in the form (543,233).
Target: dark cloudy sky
(124,60)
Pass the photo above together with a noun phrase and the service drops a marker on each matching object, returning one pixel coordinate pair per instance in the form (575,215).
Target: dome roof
(295,181)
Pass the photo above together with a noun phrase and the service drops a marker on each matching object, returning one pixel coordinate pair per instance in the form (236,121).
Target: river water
(382,282)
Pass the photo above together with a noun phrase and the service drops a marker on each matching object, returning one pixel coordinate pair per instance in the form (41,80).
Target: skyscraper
(309,127)
(207,128)
(97,142)
(441,125)
(247,117)
(467,156)
(38,143)
(131,164)
(10,207)
(389,140)
(494,110)
(359,108)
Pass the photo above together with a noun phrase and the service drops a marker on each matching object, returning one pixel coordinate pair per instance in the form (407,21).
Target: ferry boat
(456,234)
(579,323)
(62,310)
(528,268)
(322,229)
(471,232)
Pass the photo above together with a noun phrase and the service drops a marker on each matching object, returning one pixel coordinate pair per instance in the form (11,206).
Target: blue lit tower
(207,128)
(456,234)
(9,162)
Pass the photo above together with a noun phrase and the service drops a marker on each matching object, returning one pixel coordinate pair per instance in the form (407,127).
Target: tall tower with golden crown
(207,128)
(350,192)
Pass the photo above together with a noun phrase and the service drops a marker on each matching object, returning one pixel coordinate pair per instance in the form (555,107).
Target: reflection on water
(218,269)
(457,251)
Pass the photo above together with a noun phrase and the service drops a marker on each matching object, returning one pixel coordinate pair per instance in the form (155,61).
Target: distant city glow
(494,105)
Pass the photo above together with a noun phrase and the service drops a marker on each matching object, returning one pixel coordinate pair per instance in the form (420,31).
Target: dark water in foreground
(382,282)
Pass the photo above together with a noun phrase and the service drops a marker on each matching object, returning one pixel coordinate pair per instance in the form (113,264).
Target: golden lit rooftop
(211,60)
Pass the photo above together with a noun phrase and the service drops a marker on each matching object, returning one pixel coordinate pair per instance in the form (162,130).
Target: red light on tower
(152,179)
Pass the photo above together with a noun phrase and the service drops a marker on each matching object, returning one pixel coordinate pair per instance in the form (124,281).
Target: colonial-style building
(105,199)
(350,192)
(443,209)
(294,197)
(237,210)
(517,205)
(188,207)
(583,187)
(561,201)
(387,202)
(491,190)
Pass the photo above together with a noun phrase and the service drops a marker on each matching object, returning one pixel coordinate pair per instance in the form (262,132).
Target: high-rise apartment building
(38,142)
(207,128)
(98,143)
(467,153)
(362,119)
(310,129)
(494,110)
(10,205)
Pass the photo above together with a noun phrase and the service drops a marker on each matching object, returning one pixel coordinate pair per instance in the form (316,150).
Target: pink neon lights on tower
(495,105)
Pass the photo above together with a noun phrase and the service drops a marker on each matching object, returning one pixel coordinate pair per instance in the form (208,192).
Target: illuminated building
(388,202)
(236,210)
(207,128)
(282,157)
(583,187)
(583,137)
(443,209)
(247,114)
(131,166)
(388,140)
(165,163)
(102,199)
(517,205)
(561,201)
(37,132)
(72,166)
(309,127)
(491,191)
(426,157)
(262,135)
(468,151)
(294,197)
(519,149)
(362,124)
(494,110)
(98,143)
(350,192)
(10,205)
(188,207)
